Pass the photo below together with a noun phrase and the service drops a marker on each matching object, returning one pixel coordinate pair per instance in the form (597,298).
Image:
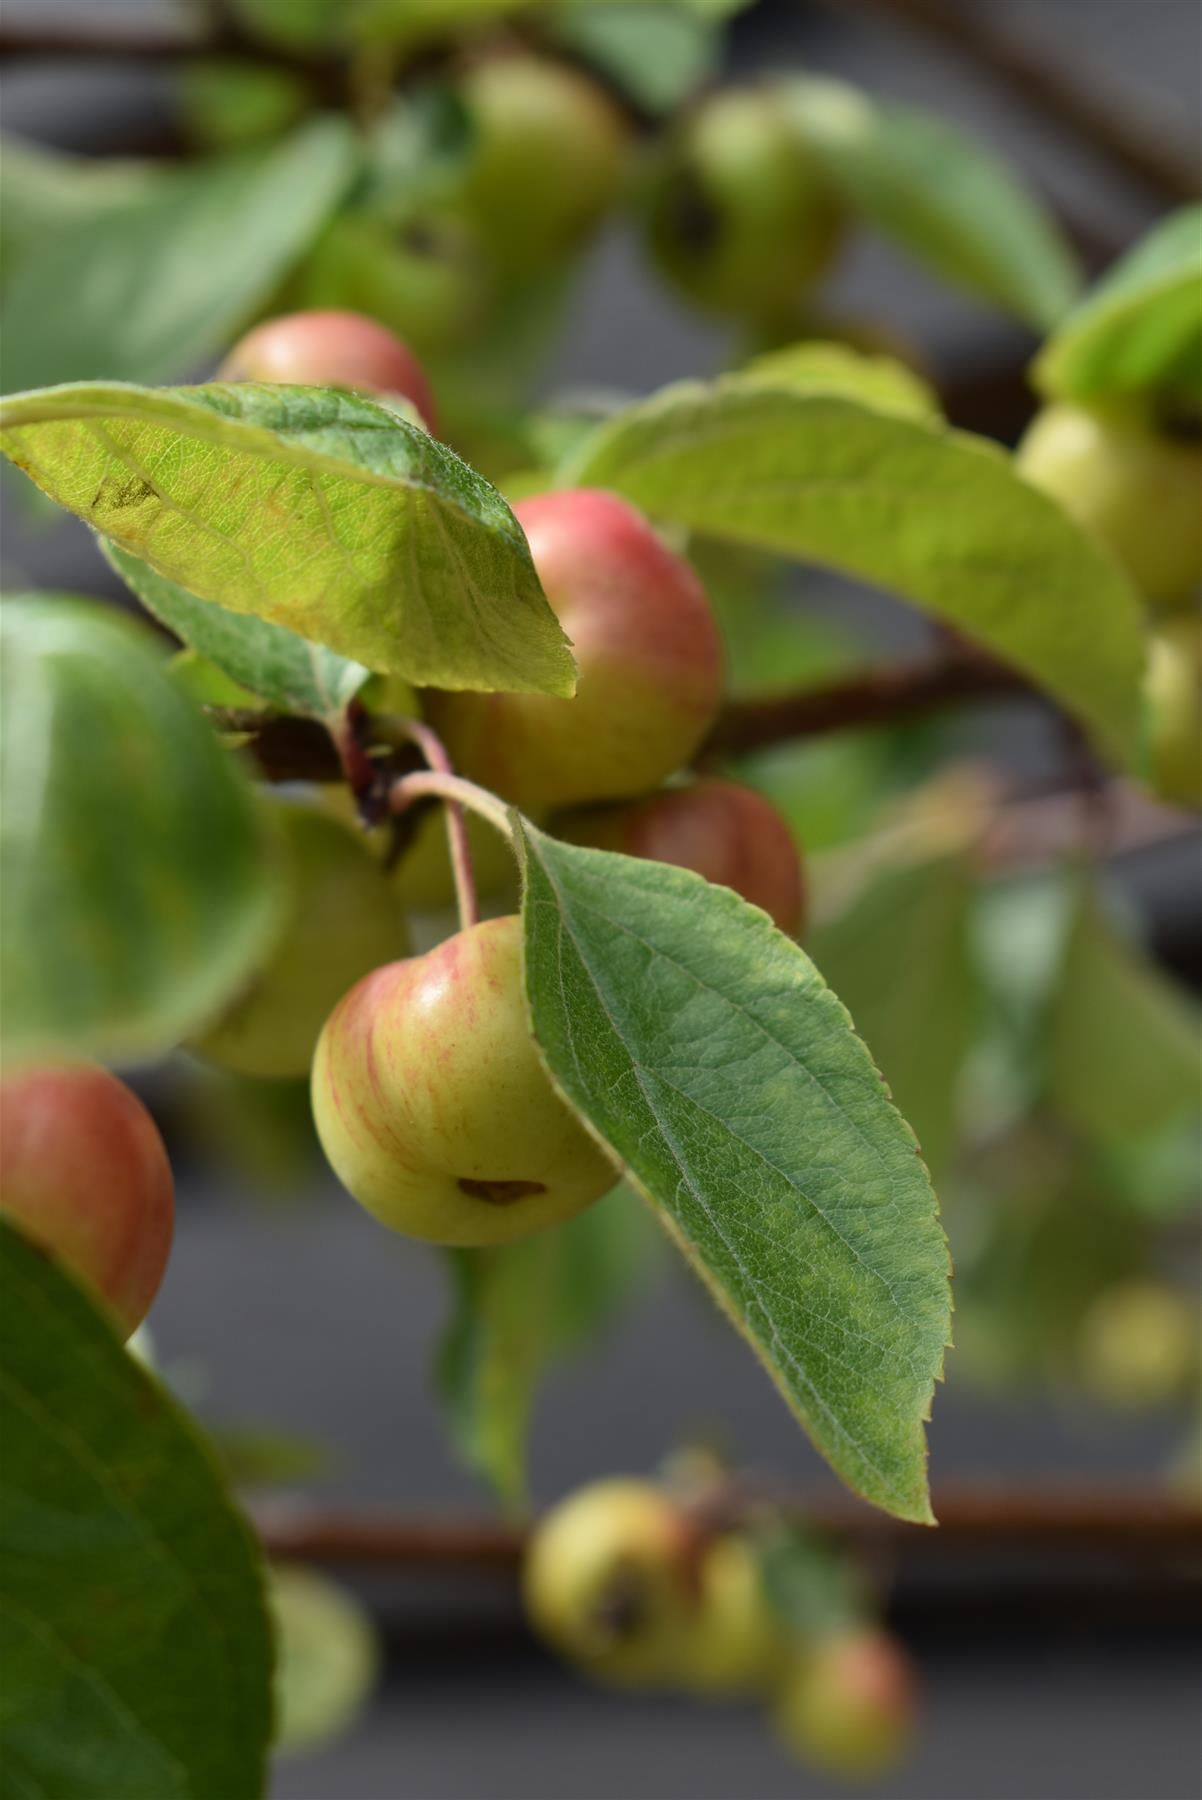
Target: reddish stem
(434,751)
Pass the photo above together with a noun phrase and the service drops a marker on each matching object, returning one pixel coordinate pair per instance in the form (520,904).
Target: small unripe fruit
(546,162)
(847,1703)
(1139,1344)
(727,832)
(742,217)
(433,1107)
(342,919)
(647,652)
(331,349)
(734,1643)
(84,1172)
(1135,488)
(606,1582)
(1173,692)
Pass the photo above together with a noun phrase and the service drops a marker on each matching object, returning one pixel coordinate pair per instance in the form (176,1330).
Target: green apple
(434,1108)
(741,217)
(1137,489)
(550,146)
(606,1582)
(342,919)
(727,832)
(83,1171)
(1139,1344)
(847,1702)
(647,651)
(1173,692)
(734,1644)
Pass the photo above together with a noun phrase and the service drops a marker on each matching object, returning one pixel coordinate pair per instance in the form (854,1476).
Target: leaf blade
(795,1190)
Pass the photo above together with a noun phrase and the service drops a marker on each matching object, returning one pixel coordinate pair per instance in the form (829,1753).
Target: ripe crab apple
(546,161)
(1132,486)
(648,656)
(847,1702)
(606,1581)
(331,348)
(343,918)
(727,832)
(734,1643)
(742,218)
(1173,693)
(433,1107)
(84,1172)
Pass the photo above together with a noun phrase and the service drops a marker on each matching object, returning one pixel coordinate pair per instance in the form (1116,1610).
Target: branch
(1147,1526)
(1034,73)
(877,697)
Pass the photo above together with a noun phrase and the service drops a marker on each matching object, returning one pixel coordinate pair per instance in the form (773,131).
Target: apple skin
(343,918)
(432,1104)
(847,1703)
(548,159)
(735,1644)
(606,1582)
(741,217)
(1133,487)
(84,1172)
(1173,693)
(727,832)
(331,348)
(647,651)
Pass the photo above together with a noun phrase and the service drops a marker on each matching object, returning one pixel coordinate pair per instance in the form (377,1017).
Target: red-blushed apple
(848,1701)
(331,348)
(433,1107)
(647,651)
(727,832)
(607,1581)
(83,1171)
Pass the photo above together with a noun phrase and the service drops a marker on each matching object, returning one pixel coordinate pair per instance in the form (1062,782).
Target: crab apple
(847,1703)
(734,1643)
(433,1107)
(648,656)
(547,159)
(1173,695)
(606,1581)
(342,919)
(727,832)
(1131,485)
(741,217)
(84,1172)
(331,348)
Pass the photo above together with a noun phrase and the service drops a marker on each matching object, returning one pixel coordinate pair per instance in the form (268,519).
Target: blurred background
(304,1336)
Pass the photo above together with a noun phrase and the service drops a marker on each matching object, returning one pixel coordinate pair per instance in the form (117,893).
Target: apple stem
(402,793)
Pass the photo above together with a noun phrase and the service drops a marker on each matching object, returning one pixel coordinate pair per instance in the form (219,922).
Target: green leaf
(314,509)
(706,1052)
(515,1309)
(137,892)
(898,957)
(273,662)
(1140,328)
(816,367)
(134,1649)
(657,55)
(142,291)
(1125,1045)
(47,191)
(814,1587)
(939,517)
(941,197)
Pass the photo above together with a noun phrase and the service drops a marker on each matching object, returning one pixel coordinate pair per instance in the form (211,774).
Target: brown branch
(876,697)
(1034,73)
(1140,1525)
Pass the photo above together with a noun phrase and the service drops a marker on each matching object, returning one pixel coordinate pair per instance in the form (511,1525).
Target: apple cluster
(628,1581)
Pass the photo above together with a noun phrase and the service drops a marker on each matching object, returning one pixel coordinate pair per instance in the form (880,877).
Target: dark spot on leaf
(499,1193)
(117,492)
